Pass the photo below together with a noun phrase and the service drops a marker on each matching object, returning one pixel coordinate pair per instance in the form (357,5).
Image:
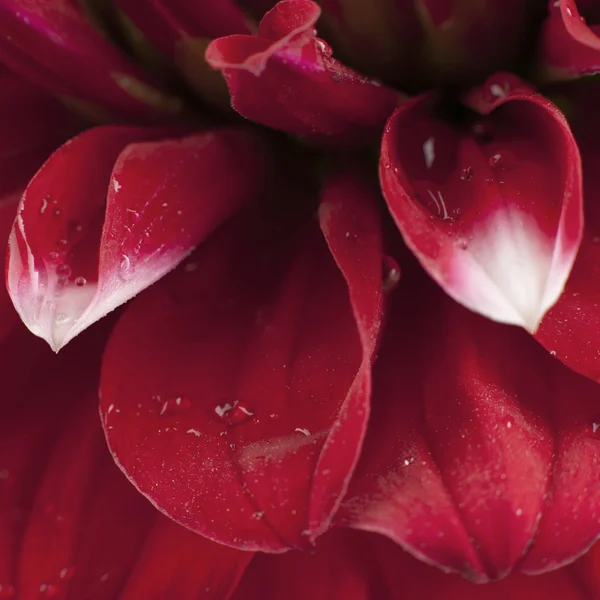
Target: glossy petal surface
(482,450)
(241,412)
(71,525)
(570,44)
(492,210)
(286,78)
(571,330)
(111,213)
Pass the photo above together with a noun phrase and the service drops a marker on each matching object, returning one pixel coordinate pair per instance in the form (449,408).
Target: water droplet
(67,573)
(64,270)
(54,257)
(125,270)
(391,274)
(482,131)
(234,414)
(596,428)
(7,591)
(62,243)
(467,174)
(57,212)
(502,160)
(48,590)
(80,281)
(462,244)
(303,431)
(173,405)
(62,281)
(61,318)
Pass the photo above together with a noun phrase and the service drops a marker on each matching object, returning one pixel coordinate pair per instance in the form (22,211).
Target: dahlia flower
(331,271)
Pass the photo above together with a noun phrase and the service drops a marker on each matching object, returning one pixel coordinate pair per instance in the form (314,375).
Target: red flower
(391,386)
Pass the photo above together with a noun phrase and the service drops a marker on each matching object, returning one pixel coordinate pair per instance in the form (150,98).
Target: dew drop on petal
(54,257)
(64,270)
(596,428)
(57,212)
(125,271)
(48,590)
(234,413)
(174,405)
(391,274)
(80,281)
(67,573)
(467,174)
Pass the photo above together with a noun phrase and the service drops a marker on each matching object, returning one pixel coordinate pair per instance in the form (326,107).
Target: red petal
(570,47)
(70,525)
(285,78)
(69,264)
(363,566)
(242,409)
(475,433)
(494,212)
(53,44)
(571,330)
(168,23)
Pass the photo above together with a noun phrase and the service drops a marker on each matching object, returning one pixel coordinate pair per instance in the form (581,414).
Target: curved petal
(286,78)
(571,329)
(570,46)
(71,526)
(481,453)
(240,413)
(366,566)
(110,213)
(53,44)
(494,212)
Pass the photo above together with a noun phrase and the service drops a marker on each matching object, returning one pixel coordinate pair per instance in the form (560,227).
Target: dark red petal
(71,526)
(366,566)
(475,434)
(570,46)
(492,210)
(571,329)
(286,78)
(110,213)
(240,411)
(53,44)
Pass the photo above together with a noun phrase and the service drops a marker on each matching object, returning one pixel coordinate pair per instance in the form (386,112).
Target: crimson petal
(110,213)
(54,45)
(570,47)
(475,434)
(494,212)
(366,566)
(71,526)
(240,413)
(286,78)
(571,330)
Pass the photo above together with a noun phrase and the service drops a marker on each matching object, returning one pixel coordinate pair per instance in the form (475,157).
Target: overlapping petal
(482,451)
(111,212)
(571,329)
(182,30)
(240,413)
(54,45)
(492,208)
(71,526)
(286,78)
(570,40)
(364,566)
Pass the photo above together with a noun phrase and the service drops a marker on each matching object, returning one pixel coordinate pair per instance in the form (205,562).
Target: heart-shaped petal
(482,450)
(492,208)
(286,78)
(110,213)
(241,412)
